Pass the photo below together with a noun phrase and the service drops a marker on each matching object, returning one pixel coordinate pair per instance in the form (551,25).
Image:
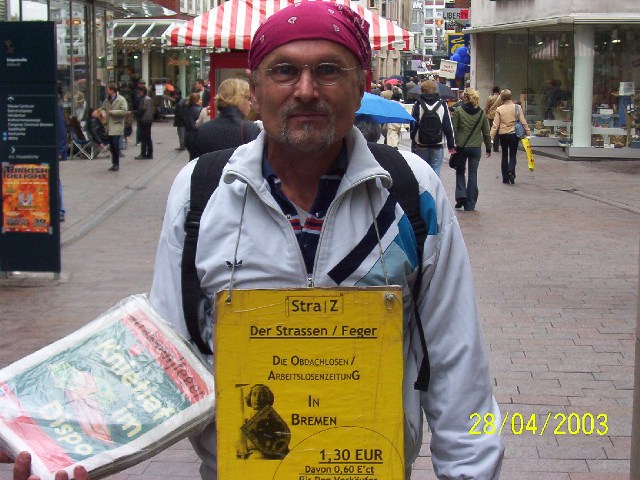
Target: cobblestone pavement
(555,261)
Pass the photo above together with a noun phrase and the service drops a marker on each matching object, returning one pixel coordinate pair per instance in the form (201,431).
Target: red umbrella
(392,81)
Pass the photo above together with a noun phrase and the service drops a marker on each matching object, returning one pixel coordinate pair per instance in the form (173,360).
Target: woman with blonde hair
(504,125)
(471,128)
(229,129)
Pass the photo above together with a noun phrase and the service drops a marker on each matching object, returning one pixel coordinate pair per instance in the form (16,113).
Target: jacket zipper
(308,279)
(329,211)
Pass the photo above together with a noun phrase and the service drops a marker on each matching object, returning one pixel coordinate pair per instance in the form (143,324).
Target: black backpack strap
(426,107)
(204,180)
(406,192)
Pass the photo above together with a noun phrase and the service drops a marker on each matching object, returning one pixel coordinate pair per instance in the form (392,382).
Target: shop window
(548,99)
(616,84)
(511,64)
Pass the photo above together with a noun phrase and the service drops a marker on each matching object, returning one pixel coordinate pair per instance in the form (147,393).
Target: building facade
(102,42)
(388,62)
(573,65)
(122,42)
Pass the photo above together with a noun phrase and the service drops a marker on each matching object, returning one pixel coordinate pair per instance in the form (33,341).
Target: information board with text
(29,217)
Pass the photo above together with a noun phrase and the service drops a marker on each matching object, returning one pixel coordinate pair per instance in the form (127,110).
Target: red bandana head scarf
(313,20)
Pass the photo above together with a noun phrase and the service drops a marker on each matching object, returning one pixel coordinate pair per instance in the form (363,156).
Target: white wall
(500,12)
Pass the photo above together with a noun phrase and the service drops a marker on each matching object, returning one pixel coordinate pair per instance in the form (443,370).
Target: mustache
(295,109)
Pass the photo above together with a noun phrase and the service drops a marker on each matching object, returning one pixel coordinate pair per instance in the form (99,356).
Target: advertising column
(29,217)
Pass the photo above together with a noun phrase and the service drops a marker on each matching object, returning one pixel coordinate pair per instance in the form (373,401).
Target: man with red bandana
(307,204)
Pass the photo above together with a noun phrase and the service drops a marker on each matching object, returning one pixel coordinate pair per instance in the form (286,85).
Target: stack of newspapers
(108,396)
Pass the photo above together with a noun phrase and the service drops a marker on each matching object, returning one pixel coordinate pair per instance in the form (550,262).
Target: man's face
(108,91)
(199,86)
(307,116)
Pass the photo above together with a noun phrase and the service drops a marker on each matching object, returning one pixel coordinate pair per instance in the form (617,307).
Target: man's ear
(255,106)
(362,86)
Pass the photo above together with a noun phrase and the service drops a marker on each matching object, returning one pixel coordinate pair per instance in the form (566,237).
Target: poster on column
(25,198)
(309,384)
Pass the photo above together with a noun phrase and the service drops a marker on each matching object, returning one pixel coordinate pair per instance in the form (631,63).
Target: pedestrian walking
(230,127)
(410,96)
(178,118)
(114,111)
(135,105)
(504,125)
(202,89)
(493,101)
(394,130)
(145,114)
(190,115)
(471,128)
(432,125)
(305,204)
(370,129)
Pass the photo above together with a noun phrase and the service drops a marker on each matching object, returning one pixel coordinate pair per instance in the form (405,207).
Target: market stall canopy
(141,32)
(232,24)
(138,9)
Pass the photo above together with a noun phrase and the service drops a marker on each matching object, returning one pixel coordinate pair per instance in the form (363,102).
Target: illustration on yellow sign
(25,198)
(264,432)
(309,384)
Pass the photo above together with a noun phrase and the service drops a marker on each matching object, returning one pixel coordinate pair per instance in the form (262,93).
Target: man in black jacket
(178,118)
(145,119)
(136,98)
(203,91)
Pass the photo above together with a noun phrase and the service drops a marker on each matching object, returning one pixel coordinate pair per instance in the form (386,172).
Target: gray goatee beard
(309,138)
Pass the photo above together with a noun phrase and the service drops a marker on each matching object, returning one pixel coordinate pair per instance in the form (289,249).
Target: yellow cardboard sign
(309,384)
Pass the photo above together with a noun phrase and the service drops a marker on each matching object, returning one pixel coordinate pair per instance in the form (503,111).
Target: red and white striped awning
(232,25)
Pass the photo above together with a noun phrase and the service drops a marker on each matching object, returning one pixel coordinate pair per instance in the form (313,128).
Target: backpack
(430,125)
(206,178)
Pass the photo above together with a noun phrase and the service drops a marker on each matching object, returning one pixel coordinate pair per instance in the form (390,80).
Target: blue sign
(455,41)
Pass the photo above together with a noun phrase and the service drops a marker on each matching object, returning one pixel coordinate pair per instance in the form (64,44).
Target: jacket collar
(230,112)
(246,164)
(430,98)
(470,109)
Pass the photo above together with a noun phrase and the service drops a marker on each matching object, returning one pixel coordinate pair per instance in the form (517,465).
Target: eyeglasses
(323,73)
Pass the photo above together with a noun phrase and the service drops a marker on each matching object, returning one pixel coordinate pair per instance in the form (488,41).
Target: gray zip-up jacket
(460,383)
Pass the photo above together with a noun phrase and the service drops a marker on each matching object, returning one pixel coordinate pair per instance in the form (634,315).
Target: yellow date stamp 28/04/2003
(539,424)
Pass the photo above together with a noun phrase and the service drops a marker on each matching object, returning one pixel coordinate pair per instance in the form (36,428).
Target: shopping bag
(527,148)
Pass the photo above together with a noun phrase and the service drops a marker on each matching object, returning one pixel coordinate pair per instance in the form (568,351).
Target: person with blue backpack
(309,203)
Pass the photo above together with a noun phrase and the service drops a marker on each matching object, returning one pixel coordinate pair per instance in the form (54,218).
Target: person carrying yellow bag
(527,148)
